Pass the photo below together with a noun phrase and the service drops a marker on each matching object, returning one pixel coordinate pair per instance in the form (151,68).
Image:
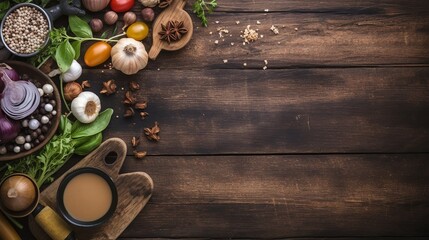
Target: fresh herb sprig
(73,138)
(202,8)
(64,47)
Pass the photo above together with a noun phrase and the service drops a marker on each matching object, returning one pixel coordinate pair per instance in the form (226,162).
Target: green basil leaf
(104,34)
(85,145)
(76,47)
(4,5)
(101,122)
(64,56)
(79,27)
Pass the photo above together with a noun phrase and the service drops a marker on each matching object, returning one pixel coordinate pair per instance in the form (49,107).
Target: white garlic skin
(80,104)
(74,72)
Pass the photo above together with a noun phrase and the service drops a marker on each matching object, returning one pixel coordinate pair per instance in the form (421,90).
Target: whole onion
(9,129)
(19,99)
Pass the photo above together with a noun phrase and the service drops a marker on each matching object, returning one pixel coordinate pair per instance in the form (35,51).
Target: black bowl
(60,197)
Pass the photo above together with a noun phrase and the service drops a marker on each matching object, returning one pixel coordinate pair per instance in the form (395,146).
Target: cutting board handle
(110,156)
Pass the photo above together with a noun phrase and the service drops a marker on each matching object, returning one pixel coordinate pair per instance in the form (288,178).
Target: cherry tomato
(138,31)
(121,5)
(97,54)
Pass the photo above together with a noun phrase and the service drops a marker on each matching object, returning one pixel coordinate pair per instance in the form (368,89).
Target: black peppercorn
(34,135)
(38,131)
(36,142)
(44,129)
(53,103)
(9,147)
(41,138)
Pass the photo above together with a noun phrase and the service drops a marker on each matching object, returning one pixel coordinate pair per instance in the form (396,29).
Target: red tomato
(121,5)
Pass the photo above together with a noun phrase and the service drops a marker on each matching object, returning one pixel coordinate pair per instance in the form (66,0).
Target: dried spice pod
(140,154)
(165,3)
(140,105)
(135,141)
(129,112)
(152,133)
(134,86)
(129,98)
(143,115)
(109,87)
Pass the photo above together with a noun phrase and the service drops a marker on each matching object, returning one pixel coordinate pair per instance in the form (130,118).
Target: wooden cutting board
(134,191)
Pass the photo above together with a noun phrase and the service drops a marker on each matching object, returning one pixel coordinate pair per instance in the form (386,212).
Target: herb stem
(62,94)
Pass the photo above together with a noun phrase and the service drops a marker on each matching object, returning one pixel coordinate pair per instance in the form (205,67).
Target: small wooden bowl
(39,77)
(30,208)
(174,12)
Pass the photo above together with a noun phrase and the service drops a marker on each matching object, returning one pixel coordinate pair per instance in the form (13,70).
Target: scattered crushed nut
(266,10)
(266,62)
(109,87)
(85,84)
(141,105)
(135,141)
(134,86)
(245,64)
(249,35)
(152,133)
(221,31)
(225,61)
(264,68)
(140,154)
(274,29)
(143,115)
(258,22)
(129,112)
(129,98)
(237,22)
(216,42)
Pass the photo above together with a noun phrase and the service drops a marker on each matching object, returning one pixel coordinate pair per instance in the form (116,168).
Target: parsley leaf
(202,8)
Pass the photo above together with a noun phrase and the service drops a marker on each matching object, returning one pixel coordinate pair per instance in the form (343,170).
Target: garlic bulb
(129,56)
(86,107)
(95,5)
(149,3)
(73,73)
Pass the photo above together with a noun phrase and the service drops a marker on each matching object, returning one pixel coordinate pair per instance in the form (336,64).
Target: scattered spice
(249,35)
(152,133)
(135,141)
(129,98)
(143,115)
(274,29)
(140,105)
(258,22)
(237,22)
(225,61)
(109,87)
(85,84)
(129,112)
(221,31)
(140,154)
(134,86)
(178,29)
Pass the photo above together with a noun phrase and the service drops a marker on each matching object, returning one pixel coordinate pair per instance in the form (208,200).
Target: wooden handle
(154,50)
(178,4)
(53,224)
(110,156)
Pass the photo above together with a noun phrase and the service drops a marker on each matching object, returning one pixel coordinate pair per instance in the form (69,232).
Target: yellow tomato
(97,54)
(138,31)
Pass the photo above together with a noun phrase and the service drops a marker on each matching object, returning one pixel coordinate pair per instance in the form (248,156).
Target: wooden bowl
(38,77)
(174,12)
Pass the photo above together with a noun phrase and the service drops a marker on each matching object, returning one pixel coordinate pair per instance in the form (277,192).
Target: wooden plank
(330,6)
(277,111)
(393,35)
(284,196)
(312,238)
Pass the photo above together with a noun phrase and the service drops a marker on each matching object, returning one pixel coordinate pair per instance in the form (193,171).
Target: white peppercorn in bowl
(24,29)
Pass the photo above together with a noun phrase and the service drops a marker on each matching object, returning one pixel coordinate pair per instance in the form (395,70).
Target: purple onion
(11,73)
(9,129)
(19,98)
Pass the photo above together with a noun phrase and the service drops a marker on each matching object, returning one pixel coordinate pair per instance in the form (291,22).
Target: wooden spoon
(174,12)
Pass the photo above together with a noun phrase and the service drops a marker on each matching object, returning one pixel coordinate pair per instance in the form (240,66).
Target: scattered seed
(225,61)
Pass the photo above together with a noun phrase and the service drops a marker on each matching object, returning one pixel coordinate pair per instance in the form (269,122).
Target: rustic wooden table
(330,141)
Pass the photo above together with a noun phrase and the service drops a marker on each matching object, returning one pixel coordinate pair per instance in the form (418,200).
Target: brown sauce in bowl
(87,197)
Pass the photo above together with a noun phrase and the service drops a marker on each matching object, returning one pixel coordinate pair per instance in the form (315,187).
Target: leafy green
(76,47)
(85,145)
(83,130)
(64,56)
(79,27)
(201,6)
(4,6)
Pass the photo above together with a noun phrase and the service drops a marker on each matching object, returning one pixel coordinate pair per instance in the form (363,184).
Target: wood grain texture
(312,33)
(284,196)
(276,111)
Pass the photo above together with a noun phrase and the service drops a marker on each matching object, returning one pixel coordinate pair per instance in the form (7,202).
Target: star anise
(167,33)
(165,3)
(152,133)
(178,29)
